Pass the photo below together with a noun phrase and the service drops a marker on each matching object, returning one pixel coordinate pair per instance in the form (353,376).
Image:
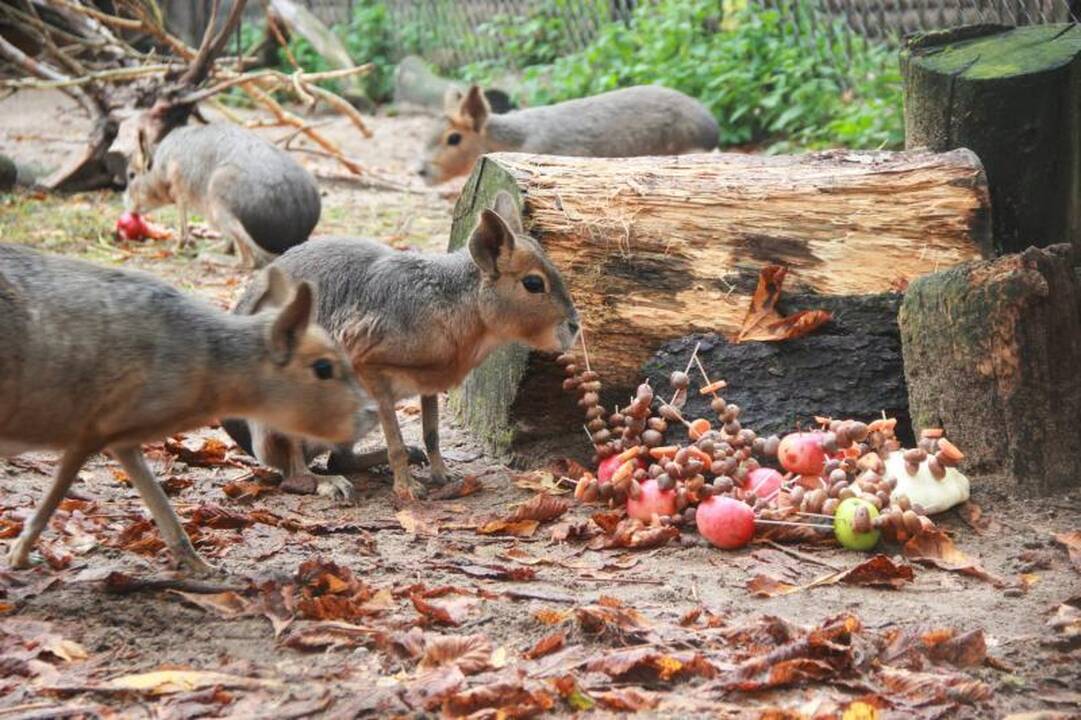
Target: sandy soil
(392,563)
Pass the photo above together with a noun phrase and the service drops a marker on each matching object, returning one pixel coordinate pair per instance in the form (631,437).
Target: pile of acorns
(720,482)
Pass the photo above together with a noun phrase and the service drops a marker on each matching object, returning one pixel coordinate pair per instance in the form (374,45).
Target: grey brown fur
(93,358)
(641,120)
(252,192)
(415,324)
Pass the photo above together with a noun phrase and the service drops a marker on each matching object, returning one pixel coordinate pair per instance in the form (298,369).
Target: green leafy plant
(748,69)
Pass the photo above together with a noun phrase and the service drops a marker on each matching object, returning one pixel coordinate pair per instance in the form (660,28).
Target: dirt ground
(381,610)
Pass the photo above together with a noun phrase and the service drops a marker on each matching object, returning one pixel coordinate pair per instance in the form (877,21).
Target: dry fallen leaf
(1072,542)
(632,533)
(445,612)
(511,698)
(763,322)
(414,525)
(935,548)
(627,699)
(331,634)
(226,604)
(469,653)
(524,520)
(652,662)
(546,645)
(164,682)
(210,452)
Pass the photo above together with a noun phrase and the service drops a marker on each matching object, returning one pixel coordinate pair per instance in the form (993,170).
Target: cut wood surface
(655,248)
(1012,96)
(991,353)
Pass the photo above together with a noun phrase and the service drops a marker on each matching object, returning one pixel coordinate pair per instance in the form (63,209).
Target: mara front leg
(405,487)
(429,420)
(19,555)
(161,510)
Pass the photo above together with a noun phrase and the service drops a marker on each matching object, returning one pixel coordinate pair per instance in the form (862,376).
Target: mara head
(306,385)
(522,293)
(460,139)
(145,189)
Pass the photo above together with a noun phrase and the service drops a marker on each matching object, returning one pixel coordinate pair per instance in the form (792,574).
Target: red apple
(131,226)
(724,521)
(607,467)
(764,482)
(652,501)
(802,453)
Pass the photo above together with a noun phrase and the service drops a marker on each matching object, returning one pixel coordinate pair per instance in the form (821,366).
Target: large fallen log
(1012,96)
(657,248)
(992,351)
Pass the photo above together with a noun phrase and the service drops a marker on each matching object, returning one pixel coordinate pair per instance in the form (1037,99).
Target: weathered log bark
(992,351)
(1013,96)
(657,248)
(849,368)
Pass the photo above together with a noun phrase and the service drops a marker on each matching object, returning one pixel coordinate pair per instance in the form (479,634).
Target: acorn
(911,468)
(571,370)
(644,390)
(902,503)
(829,507)
(796,495)
(836,488)
(829,443)
(769,447)
(936,468)
(670,413)
(593,386)
(838,476)
(747,436)
(694,466)
(723,484)
(689,517)
(616,419)
(570,384)
(857,431)
(658,424)
(602,436)
(634,492)
(566,359)
(596,424)
(590,376)
(674,469)
(652,438)
(873,499)
(732,427)
(843,437)
(911,522)
(707,445)
(665,481)
(846,492)
(884,499)
(596,412)
(718,405)
(679,380)
(861,520)
(605,451)
(732,409)
(590,399)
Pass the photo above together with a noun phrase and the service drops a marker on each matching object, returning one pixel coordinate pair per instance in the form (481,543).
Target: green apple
(845,517)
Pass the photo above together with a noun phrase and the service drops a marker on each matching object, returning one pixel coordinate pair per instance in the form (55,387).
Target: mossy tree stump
(1012,96)
(656,248)
(992,352)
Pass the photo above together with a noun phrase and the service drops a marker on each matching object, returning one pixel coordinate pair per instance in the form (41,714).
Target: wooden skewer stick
(793,524)
(585,351)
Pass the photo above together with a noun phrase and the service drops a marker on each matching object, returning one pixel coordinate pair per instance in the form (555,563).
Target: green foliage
(748,70)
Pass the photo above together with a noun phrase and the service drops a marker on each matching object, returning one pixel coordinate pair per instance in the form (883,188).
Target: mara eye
(533,283)
(454,138)
(323,369)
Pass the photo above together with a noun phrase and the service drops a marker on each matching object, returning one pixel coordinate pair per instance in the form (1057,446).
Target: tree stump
(849,368)
(1012,96)
(991,353)
(656,248)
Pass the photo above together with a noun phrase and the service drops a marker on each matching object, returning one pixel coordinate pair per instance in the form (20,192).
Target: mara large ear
(491,240)
(291,323)
(505,208)
(276,291)
(146,153)
(452,100)
(474,108)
